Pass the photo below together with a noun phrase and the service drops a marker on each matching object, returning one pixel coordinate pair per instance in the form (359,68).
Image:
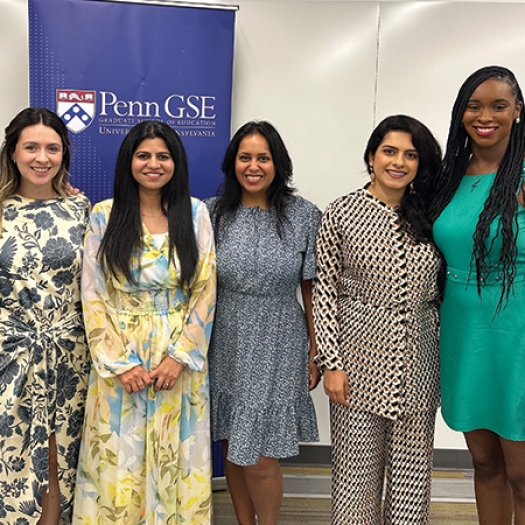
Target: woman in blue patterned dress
(259,369)
(43,357)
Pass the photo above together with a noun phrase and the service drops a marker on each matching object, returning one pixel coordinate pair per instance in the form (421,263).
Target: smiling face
(394,164)
(152,165)
(490,114)
(254,169)
(38,156)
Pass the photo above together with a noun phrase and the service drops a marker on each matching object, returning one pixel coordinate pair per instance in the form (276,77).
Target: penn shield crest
(76,108)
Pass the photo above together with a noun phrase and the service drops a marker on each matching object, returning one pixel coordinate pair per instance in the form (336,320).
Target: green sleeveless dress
(482,350)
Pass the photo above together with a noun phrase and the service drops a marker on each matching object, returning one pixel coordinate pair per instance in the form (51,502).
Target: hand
(135,379)
(70,190)
(166,374)
(336,386)
(314,376)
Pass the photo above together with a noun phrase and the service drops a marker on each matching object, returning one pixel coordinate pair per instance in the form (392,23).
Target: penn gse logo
(76,108)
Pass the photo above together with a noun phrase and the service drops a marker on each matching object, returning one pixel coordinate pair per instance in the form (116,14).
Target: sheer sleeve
(109,353)
(191,346)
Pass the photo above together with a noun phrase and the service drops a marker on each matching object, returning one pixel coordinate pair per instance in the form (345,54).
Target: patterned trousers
(366,448)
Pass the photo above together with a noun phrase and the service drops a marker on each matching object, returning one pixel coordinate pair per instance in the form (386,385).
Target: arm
(191,346)
(313,216)
(314,375)
(110,356)
(325,312)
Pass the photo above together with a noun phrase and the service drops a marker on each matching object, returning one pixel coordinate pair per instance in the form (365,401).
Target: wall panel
(324,72)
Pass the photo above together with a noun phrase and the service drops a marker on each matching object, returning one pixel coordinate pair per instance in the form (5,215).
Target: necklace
(475,185)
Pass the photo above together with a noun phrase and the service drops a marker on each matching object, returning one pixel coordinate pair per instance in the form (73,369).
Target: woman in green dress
(480,229)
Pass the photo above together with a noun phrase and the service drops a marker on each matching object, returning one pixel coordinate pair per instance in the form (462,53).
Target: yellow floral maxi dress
(145,457)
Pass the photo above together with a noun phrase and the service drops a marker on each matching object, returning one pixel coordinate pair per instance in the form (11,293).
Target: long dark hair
(501,204)
(9,174)
(124,230)
(280,190)
(413,208)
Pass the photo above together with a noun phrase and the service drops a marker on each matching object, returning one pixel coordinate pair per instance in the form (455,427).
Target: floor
(307,498)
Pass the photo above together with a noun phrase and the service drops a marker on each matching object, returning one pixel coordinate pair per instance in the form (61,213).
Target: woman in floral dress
(43,356)
(148,289)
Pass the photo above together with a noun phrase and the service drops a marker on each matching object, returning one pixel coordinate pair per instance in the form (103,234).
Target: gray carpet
(309,511)
(307,499)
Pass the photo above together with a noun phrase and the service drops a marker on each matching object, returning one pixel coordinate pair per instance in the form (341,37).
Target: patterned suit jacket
(376,303)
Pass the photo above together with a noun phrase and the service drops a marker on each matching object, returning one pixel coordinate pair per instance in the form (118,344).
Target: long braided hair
(501,204)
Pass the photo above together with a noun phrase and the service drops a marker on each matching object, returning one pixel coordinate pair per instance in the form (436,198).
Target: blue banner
(104,66)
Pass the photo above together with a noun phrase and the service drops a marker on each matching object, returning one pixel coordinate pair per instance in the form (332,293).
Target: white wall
(14,59)
(324,72)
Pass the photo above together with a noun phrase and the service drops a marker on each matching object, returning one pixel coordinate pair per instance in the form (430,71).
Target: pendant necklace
(475,185)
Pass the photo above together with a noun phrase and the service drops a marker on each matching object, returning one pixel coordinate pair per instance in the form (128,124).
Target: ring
(167,383)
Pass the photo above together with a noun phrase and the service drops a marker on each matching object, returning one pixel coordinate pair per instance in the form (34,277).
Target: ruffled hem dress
(482,349)
(258,354)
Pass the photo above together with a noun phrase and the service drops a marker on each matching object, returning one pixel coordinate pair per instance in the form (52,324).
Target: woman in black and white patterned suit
(376,319)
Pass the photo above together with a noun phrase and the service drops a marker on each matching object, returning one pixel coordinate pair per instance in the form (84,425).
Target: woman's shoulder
(344,202)
(79,201)
(198,206)
(102,208)
(80,198)
(211,203)
(106,204)
(299,204)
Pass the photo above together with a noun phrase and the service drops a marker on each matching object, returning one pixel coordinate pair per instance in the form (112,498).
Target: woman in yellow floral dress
(148,289)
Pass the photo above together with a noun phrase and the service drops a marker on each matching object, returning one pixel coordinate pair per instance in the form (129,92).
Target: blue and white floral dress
(44,362)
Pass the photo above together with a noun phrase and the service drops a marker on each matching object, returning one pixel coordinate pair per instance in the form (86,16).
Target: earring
(372,174)
(517,120)
(411,188)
